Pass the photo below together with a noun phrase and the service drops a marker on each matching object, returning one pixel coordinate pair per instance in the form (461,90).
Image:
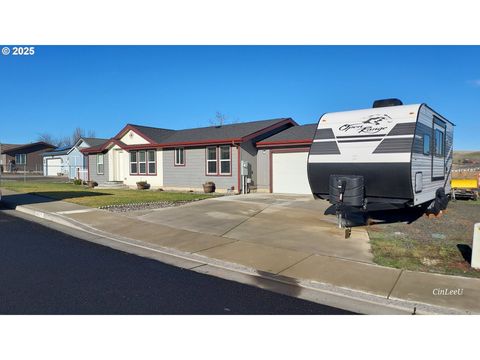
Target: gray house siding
(193,174)
(249,153)
(263,166)
(92,169)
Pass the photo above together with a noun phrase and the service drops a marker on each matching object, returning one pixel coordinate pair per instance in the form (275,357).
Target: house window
(142,162)
(21,159)
(225,160)
(439,143)
(179,157)
(426,144)
(133,163)
(100,166)
(211,160)
(152,164)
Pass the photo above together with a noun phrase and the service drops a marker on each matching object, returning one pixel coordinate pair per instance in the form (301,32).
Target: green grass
(79,194)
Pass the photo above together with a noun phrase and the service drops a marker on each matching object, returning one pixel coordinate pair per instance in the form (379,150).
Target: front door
(438,153)
(116,164)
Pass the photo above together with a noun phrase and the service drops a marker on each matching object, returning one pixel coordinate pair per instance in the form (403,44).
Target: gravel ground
(145,206)
(440,244)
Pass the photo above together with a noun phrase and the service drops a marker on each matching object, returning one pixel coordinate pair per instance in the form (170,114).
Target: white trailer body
(403,153)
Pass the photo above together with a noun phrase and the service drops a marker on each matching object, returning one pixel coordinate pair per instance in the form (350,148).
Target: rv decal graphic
(372,125)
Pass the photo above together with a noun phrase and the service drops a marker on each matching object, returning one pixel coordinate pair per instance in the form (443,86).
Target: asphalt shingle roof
(94,141)
(209,133)
(301,132)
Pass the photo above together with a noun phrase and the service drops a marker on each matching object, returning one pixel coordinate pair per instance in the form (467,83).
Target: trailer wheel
(441,201)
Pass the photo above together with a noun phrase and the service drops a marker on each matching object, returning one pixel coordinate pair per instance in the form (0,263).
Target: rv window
(438,143)
(426,144)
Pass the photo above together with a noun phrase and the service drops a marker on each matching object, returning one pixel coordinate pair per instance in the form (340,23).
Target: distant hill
(466,158)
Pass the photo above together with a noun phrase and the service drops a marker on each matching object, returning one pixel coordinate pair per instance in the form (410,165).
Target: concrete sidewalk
(304,272)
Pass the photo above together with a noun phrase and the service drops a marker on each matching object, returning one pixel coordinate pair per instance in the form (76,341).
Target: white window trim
(154,161)
(225,160)
(20,156)
(177,156)
(212,160)
(133,162)
(142,162)
(100,156)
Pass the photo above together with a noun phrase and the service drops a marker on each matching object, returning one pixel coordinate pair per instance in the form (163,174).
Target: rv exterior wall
(422,163)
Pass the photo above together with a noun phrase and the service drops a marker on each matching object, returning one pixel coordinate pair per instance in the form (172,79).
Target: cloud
(475,83)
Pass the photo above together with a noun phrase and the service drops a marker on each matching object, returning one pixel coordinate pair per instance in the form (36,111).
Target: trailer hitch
(340,209)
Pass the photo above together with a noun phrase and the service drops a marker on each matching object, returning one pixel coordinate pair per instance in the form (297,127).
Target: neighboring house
(3,155)
(27,157)
(282,160)
(183,159)
(55,163)
(69,161)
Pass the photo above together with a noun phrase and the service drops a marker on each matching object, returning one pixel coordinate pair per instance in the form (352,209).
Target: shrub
(78,182)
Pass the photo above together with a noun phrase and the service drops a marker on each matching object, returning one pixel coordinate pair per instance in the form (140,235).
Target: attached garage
(283,157)
(53,167)
(289,172)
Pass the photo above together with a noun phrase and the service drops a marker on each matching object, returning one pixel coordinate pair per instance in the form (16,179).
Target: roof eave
(280,143)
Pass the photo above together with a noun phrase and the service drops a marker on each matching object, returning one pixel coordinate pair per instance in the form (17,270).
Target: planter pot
(209,188)
(143,186)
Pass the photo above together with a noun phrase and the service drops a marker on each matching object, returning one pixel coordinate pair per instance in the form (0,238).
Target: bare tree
(77,134)
(48,138)
(219,120)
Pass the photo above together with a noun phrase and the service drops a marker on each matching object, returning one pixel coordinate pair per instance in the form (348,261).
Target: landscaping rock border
(146,206)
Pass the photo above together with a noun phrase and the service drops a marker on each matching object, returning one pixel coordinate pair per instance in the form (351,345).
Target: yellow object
(464,183)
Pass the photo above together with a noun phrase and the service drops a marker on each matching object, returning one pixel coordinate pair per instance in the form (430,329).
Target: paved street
(43,271)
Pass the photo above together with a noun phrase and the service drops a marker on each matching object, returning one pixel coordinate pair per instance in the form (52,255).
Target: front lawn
(441,245)
(82,195)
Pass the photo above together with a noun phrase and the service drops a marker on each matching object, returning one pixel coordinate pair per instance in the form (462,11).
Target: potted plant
(209,187)
(143,185)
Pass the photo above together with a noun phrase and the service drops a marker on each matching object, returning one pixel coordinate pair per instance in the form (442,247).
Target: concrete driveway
(282,221)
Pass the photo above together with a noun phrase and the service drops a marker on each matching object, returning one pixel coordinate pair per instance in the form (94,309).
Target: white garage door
(54,166)
(289,173)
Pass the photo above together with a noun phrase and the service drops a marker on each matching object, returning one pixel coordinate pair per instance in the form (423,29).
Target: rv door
(438,153)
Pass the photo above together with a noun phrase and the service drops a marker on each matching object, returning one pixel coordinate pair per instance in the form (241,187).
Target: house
(27,157)
(3,156)
(69,161)
(184,159)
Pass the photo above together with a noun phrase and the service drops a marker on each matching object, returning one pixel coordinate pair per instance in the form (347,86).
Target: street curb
(345,298)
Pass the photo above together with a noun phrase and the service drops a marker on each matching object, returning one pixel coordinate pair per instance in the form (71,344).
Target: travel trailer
(392,155)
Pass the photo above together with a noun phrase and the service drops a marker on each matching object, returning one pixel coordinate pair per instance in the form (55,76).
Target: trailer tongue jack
(346,191)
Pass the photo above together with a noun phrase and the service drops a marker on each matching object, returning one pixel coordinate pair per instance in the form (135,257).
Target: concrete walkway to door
(287,222)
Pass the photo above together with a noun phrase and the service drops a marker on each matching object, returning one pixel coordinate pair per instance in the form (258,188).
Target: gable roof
(93,141)
(159,137)
(6,147)
(59,151)
(151,134)
(26,146)
(232,132)
(302,134)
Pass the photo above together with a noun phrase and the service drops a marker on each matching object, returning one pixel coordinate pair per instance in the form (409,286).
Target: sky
(102,88)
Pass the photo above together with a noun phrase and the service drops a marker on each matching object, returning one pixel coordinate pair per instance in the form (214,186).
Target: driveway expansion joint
(395,283)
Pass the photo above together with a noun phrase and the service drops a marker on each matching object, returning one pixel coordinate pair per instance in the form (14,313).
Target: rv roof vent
(386,102)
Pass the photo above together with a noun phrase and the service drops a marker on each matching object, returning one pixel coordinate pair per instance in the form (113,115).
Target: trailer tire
(441,201)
